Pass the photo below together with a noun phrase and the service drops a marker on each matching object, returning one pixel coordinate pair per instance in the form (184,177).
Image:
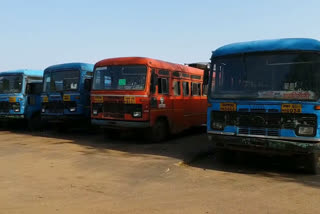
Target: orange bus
(142,93)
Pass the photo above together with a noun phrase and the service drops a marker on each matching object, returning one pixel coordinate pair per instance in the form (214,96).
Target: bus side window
(176,88)
(196,91)
(185,89)
(163,86)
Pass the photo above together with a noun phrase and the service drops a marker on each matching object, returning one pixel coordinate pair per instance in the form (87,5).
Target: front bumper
(264,145)
(114,124)
(11,116)
(63,118)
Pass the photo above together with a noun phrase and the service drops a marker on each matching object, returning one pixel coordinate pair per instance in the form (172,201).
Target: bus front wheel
(159,131)
(312,163)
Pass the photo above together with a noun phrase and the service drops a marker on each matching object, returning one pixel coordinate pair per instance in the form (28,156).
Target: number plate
(228,107)
(98,99)
(12,99)
(45,99)
(291,108)
(129,100)
(66,98)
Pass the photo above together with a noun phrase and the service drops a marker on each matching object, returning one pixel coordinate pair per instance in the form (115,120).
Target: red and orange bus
(142,93)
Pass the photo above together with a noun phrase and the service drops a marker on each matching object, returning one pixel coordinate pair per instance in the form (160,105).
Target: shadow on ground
(191,148)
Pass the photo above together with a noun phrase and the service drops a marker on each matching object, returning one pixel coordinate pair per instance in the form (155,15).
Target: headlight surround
(15,107)
(306,131)
(96,108)
(137,114)
(217,125)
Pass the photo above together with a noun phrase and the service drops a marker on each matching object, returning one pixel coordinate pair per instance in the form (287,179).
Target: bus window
(195,89)
(176,88)
(185,89)
(163,86)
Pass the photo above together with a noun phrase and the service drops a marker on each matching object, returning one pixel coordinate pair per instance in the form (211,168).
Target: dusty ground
(77,173)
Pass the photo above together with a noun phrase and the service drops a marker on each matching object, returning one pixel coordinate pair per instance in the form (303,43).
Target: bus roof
(70,66)
(27,72)
(289,44)
(150,62)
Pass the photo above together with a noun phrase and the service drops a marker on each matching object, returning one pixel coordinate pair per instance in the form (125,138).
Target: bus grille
(4,107)
(118,110)
(55,107)
(266,124)
(262,132)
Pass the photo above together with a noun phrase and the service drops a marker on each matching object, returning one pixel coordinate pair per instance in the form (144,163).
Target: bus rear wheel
(159,131)
(312,163)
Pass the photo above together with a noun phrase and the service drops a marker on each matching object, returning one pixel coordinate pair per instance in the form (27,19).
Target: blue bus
(20,100)
(66,93)
(264,97)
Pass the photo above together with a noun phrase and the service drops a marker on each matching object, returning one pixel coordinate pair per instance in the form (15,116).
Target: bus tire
(312,164)
(159,131)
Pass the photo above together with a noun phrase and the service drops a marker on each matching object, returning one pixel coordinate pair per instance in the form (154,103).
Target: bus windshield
(120,77)
(271,76)
(10,84)
(61,81)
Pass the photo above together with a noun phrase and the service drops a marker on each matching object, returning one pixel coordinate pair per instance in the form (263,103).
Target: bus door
(187,104)
(164,101)
(177,105)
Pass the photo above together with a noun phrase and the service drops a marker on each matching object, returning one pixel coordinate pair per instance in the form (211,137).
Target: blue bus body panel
(26,110)
(240,136)
(81,97)
(268,46)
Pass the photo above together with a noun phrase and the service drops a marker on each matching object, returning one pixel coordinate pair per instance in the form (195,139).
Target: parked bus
(266,99)
(20,100)
(144,93)
(66,94)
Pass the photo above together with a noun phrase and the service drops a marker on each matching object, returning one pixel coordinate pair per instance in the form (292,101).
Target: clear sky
(38,33)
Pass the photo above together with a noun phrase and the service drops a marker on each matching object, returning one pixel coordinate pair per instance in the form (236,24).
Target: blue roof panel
(26,72)
(70,66)
(300,44)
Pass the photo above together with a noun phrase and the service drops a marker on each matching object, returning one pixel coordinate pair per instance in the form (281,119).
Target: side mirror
(206,75)
(87,84)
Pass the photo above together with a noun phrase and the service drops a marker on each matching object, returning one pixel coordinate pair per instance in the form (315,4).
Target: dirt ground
(50,172)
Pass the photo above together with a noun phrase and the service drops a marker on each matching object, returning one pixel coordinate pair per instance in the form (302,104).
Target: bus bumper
(5,117)
(63,118)
(263,145)
(113,124)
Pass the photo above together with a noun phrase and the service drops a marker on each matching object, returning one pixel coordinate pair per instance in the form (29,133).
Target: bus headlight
(306,131)
(72,109)
(137,114)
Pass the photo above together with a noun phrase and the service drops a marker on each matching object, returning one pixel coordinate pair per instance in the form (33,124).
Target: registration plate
(129,100)
(66,98)
(228,107)
(98,99)
(12,99)
(45,99)
(291,108)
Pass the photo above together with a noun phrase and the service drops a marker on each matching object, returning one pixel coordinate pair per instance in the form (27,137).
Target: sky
(35,34)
